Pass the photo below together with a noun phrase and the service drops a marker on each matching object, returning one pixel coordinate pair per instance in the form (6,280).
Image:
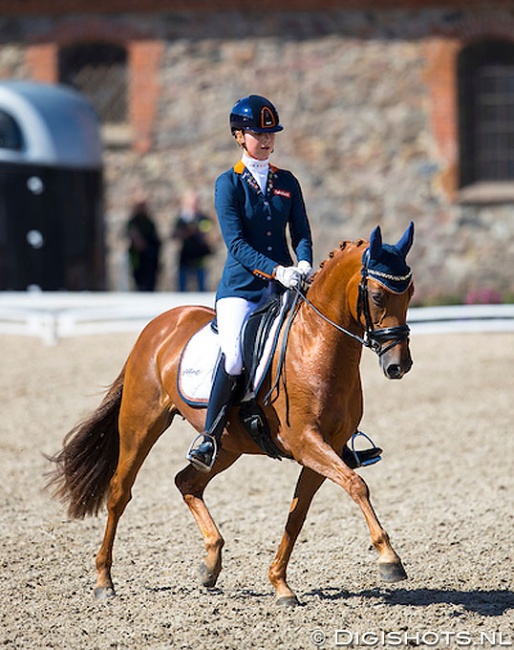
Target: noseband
(373,338)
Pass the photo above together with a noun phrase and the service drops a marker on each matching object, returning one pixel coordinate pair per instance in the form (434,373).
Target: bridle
(373,338)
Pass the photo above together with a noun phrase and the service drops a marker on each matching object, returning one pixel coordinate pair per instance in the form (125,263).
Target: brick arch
(144,54)
(441,52)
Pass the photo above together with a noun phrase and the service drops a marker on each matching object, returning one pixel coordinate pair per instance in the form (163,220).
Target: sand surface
(444,491)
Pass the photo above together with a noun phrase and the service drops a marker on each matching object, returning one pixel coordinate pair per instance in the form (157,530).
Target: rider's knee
(233,364)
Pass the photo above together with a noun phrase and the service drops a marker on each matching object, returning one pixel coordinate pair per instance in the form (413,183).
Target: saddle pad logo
(282,193)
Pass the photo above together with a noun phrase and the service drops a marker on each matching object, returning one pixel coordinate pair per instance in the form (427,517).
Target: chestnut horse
(314,411)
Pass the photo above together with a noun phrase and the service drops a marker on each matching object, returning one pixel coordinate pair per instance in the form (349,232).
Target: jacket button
(270,248)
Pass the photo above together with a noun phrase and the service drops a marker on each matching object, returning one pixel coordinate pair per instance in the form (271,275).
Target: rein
(340,328)
(373,339)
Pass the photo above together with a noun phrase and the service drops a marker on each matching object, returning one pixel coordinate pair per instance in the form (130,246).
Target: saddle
(259,341)
(257,333)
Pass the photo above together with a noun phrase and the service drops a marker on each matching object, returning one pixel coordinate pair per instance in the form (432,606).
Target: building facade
(393,111)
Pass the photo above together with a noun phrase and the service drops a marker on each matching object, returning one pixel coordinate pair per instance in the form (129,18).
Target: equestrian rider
(256,204)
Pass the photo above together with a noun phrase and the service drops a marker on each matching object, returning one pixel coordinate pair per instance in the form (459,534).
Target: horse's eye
(378,298)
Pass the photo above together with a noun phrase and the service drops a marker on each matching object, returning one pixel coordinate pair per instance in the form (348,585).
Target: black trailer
(51,190)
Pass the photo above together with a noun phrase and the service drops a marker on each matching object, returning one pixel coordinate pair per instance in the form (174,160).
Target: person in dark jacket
(144,246)
(256,204)
(192,229)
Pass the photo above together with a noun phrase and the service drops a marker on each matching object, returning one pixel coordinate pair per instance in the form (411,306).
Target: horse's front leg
(192,484)
(307,485)
(321,458)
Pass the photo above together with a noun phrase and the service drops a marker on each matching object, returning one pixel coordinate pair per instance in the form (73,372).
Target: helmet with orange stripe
(254,113)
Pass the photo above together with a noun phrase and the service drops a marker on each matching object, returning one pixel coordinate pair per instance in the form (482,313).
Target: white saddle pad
(197,366)
(199,359)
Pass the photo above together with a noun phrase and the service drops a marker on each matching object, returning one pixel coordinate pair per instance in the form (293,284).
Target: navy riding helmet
(254,113)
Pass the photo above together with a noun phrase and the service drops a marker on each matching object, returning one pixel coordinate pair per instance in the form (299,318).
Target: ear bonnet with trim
(386,263)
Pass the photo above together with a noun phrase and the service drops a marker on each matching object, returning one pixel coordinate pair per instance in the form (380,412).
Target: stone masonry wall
(351,88)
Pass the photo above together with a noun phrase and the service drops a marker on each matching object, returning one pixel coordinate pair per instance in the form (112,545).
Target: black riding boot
(204,447)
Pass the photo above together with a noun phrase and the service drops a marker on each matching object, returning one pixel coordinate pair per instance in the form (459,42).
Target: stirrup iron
(365,457)
(202,460)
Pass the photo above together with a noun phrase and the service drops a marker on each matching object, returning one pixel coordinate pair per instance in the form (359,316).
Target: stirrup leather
(203,459)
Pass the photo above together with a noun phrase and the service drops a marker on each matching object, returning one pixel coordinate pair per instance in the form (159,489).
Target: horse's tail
(89,457)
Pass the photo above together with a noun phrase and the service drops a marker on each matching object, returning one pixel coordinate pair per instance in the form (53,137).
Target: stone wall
(351,88)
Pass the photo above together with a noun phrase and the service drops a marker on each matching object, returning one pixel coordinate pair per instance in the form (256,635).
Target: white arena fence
(54,316)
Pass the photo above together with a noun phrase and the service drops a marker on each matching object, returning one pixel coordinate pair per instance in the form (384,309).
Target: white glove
(305,269)
(289,276)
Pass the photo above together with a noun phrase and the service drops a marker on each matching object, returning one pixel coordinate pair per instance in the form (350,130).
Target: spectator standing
(144,246)
(191,229)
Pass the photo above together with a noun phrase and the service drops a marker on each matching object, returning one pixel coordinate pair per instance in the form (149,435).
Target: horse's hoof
(103,593)
(392,571)
(207,577)
(287,601)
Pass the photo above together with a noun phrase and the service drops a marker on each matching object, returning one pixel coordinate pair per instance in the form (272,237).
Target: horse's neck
(334,294)
(334,290)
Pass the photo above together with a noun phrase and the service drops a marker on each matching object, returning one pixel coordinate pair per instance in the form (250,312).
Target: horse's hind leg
(307,485)
(192,484)
(136,441)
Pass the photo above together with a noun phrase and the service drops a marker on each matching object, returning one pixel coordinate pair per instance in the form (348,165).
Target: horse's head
(385,291)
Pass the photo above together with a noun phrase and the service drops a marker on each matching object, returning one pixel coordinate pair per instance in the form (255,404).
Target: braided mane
(344,245)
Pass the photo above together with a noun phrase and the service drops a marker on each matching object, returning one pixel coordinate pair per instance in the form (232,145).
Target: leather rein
(373,338)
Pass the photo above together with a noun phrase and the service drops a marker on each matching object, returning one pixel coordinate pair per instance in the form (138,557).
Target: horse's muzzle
(397,361)
(392,346)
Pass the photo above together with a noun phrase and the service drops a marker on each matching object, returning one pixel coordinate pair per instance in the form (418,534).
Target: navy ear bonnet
(386,263)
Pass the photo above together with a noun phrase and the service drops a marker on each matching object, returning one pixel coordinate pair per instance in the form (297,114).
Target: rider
(256,204)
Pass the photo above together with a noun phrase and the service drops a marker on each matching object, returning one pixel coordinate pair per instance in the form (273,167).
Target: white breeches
(231,314)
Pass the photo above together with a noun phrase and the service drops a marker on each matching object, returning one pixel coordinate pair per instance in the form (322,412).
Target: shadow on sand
(494,602)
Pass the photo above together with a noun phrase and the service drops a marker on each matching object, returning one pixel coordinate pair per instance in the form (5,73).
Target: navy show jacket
(254,227)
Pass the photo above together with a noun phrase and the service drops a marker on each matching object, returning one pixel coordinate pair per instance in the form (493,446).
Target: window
(99,70)
(10,133)
(486,112)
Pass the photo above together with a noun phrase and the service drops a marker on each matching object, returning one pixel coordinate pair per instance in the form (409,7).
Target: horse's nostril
(394,371)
